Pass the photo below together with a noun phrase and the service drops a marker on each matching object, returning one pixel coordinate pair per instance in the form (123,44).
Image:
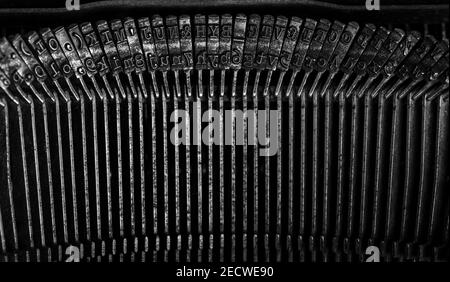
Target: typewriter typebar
(224,137)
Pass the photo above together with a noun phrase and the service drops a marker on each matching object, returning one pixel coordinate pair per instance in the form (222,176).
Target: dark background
(20,15)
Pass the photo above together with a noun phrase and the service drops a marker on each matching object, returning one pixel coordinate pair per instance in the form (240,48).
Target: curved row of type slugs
(128,48)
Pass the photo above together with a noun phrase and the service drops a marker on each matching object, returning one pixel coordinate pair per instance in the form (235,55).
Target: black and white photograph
(225,139)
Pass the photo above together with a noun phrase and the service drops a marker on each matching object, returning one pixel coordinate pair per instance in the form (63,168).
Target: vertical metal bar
(154,165)
(365,174)
(119,161)
(291,166)
(245,167)
(394,169)
(72,166)
(199,164)
(379,167)
(2,231)
(280,165)
(8,177)
(210,170)
(327,174)
(96,166)
(422,204)
(131,161)
(85,166)
(105,101)
(255,169)
(25,172)
(166,162)
(233,166)
(341,180)
(303,184)
(221,166)
(188,167)
(354,162)
(412,143)
(36,166)
(440,193)
(267,169)
(315,176)
(177,169)
(61,163)
(49,168)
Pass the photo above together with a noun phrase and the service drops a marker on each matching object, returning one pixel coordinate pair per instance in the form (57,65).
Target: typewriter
(224,131)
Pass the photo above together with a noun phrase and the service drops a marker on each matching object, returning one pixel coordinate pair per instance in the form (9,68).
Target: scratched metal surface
(362,126)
